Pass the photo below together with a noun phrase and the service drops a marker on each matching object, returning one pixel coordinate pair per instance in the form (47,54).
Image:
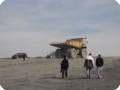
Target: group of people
(88,64)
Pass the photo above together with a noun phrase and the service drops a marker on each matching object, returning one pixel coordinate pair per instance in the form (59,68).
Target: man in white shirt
(89,64)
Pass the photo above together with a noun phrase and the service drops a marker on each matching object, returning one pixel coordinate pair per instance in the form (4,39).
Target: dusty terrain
(44,74)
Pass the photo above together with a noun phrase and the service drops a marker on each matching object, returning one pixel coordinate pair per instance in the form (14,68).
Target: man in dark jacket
(99,64)
(64,67)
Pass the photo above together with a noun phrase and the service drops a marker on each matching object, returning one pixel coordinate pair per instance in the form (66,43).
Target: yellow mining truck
(71,48)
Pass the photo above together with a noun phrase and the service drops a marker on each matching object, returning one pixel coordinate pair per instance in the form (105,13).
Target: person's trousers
(64,72)
(99,71)
(88,72)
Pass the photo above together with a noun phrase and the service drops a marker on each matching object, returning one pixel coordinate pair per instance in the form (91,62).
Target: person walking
(64,67)
(99,64)
(23,57)
(89,64)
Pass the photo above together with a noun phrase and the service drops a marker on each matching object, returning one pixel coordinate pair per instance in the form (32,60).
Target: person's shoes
(99,77)
(89,77)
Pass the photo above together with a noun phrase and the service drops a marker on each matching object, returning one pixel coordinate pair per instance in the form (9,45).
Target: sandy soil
(44,74)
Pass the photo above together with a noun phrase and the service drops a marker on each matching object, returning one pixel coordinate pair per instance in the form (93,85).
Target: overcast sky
(31,25)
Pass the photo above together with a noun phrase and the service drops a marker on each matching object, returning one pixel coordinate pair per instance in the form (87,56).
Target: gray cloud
(30,26)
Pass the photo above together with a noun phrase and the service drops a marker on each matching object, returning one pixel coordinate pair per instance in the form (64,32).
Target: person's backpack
(64,64)
(89,63)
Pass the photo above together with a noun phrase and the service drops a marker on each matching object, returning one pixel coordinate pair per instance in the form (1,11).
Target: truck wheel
(83,52)
(72,53)
(58,53)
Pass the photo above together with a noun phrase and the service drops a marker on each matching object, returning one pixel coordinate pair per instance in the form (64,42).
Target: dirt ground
(44,74)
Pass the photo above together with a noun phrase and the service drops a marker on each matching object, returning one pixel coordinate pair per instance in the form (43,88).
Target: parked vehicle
(51,55)
(19,55)
(71,48)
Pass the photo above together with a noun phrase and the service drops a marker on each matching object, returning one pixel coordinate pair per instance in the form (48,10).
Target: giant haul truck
(71,48)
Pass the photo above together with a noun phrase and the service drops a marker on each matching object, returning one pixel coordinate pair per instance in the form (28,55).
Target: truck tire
(83,52)
(58,53)
(72,53)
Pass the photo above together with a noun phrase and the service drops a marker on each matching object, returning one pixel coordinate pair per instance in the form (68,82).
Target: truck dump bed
(76,42)
(59,44)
